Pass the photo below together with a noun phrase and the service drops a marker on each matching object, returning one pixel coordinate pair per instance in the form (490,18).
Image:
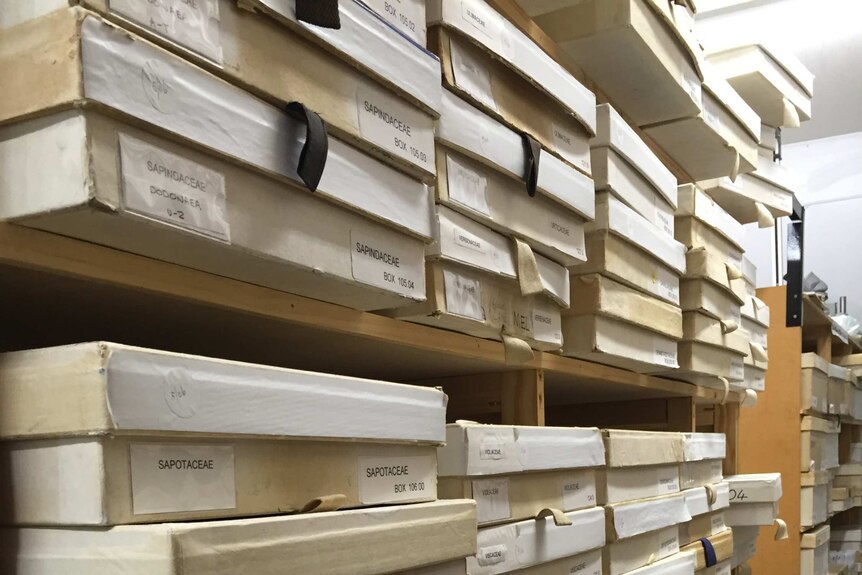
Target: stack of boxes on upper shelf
(191,132)
(514,187)
(149,458)
(755,325)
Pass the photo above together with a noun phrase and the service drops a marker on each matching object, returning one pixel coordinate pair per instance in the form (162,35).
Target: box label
(175,478)
(491,555)
(717,524)
(664,221)
(172,189)
(664,353)
(396,479)
(406,15)
(469,241)
(396,127)
(386,265)
(485,21)
(669,543)
(668,482)
(547,327)
(591,566)
(467,186)
(492,500)
(666,285)
(193,24)
(737,369)
(463,296)
(492,450)
(472,76)
(572,147)
(579,492)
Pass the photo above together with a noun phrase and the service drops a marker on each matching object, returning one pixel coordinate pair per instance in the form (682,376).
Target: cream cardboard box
(702,264)
(701,328)
(407,16)
(477,21)
(117,185)
(357,542)
(589,563)
(626,555)
(702,527)
(546,223)
(703,457)
(507,548)
(697,295)
(758,338)
(624,165)
(758,197)
(105,68)
(625,45)
(275,63)
(596,294)
(773,82)
(754,377)
(815,384)
(814,504)
(514,472)
(726,132)
(694,233)
(679,564)
(139,477)
(500,91)
(619,484)
(640,465)
(814,552)
(839,384)
(714,229)
(624,448)
(755,308)
(819,440)
(470,131)
(631,518)
(704,364)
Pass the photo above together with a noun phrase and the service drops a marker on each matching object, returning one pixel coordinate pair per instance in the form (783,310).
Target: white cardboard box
(819,438)
(759,197)
(99,388)
(357,542)
(631,518)
(697,295)
(507,548)
(700,473)
(618,484)
(755,309)
(751,514)
(117,185)
(626,555)
(814,552)
(701,328)
(474,449)
(754,488)
(694,233)
(626,448)
(814,505)
(697,204)
(815,383)
(679,564)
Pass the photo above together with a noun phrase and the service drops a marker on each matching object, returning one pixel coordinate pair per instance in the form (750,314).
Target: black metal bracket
(794,250)
(777,154)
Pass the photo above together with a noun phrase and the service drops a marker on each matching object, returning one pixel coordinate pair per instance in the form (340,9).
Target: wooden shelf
(58,290)
(821,334)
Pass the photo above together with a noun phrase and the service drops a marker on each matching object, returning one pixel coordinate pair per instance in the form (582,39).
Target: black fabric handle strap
(709,552)
(312,158)
(323,13)
(532,150)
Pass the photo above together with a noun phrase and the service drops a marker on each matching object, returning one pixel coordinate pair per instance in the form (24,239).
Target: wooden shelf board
(98,293)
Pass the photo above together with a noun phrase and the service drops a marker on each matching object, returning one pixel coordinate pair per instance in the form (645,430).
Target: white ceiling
(825,35)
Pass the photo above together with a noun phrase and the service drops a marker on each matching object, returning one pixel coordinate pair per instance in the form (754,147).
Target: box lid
(612,214)
(626,448)
(679,564)
(820,425)
(515,546)
(704,264)
(613,131)
(631,518)
(102,387)
(754,488)
(261,134)
(355,542)
(811,360)
(477,449)
(702,328)
(749,271)
(476,134)
(776,175)
(489,29)
(697,500)
(367,39)
(695,202)
(701,446)
(838,372)
(462,240)
(732,102)
(815,538)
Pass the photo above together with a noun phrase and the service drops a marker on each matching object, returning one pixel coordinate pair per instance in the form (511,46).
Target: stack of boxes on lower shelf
(712,293)
(625,299)
(753,504)
(513,159)
(194,135)
(535,493)
(845,545)
(148,457)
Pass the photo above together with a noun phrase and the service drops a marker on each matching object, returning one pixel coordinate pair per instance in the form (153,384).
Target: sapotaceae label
(174,478)
(387,264)
(163,186)
(396,127)
(396,479)
(193,24)
(408,16)
(492,500)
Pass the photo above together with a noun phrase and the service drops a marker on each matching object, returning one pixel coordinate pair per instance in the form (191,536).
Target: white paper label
(492,500)
(669,543)
(171,189)
(737,369)
(664,221)
(547,327)
(386,265)
(463,296)
(174,478)
(694,89)
(579,492)
(669,483)
(469,241)
(396,127)
(717,524)
(492,450)
(396,479)
(408,16)
(567,145)
(587,567)
(193,24)
(472,76)
(467,186)
(491,555)
(664,354)
(666,285)
(485,21)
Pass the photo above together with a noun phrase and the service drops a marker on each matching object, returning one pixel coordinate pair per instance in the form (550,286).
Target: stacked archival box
(513,161)
(196,140)
(755,325)
(712,293)
(753,504)
(625,299)
(640,489)
(111,446)
(535,493)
